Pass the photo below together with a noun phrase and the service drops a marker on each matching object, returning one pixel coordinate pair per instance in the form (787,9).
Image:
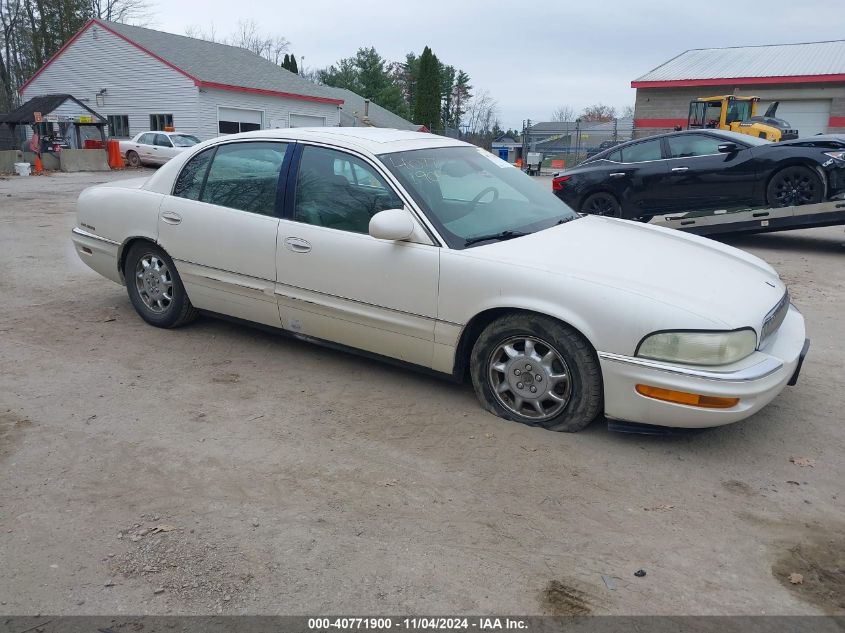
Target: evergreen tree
(286,62)
(427,106)
(407,80)
(368,75)
(460,98)
(293,66)
(447,83)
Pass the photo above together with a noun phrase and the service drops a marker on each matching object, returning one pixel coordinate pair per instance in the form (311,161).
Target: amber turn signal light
(682,397)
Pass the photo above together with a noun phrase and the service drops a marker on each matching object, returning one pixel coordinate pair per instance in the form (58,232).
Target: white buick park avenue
(431,252)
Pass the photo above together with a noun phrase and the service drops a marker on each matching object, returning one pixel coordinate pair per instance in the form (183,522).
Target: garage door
(808,116)
(307,120)
(234,120)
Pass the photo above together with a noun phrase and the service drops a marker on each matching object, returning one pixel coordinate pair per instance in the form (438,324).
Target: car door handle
(617,174)
(679,170)
(170,217)
(297,244)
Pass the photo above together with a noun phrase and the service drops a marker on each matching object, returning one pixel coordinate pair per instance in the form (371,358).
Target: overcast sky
(531,56)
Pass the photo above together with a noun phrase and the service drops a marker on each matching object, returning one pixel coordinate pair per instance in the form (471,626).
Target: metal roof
(45,104)
(807,61)
(565,127)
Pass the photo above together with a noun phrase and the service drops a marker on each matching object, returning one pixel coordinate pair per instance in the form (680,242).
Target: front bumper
(755,380)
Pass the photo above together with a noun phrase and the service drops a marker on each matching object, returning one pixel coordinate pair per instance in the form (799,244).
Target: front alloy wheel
(536,370)
(529,377)
(794,186)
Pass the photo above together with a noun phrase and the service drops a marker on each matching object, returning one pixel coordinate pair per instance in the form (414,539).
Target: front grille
(774,319)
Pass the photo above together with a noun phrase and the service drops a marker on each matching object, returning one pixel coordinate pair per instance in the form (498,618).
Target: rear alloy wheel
(602,203)
(794,186)
(133,159)
(535,370)
(155,288)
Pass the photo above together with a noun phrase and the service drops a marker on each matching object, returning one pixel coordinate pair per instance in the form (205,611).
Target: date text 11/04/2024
(417,624)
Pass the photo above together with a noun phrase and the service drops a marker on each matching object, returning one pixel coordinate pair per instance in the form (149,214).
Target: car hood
(721,284)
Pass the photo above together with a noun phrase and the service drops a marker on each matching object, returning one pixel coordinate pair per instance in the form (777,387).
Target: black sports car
(704,170)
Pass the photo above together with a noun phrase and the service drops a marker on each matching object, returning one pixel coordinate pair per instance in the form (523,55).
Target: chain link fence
(565,144)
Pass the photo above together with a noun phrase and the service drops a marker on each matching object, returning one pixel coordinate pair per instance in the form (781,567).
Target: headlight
(699,348)
(840,156)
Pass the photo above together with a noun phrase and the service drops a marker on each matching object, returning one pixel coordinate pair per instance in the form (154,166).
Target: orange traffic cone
(38,167)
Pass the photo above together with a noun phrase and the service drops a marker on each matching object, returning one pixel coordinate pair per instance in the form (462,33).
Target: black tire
(793,186)
(133,159)
(602,203)
(581,394)
(160,286)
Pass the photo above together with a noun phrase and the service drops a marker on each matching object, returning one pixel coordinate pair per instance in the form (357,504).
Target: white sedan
(155,148)
(428,251)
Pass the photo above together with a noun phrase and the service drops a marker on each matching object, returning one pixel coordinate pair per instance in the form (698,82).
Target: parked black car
(704,170)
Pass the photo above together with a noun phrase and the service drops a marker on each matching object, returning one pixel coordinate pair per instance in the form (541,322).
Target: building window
(233,127)
(118,125)
(161,122)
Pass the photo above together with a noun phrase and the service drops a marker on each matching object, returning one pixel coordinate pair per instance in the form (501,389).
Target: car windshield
(183,140)
(473,197)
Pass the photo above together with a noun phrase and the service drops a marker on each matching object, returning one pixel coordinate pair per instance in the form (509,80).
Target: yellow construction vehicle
(738,114)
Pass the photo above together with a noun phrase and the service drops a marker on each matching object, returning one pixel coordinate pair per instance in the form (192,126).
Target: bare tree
(627,112)
(248,36)
(598,112)
(128,11)
(197,33)
(481,113)
(10,16)
(564,113)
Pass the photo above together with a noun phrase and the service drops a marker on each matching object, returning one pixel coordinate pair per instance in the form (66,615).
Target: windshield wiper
(498,237)
(565,220)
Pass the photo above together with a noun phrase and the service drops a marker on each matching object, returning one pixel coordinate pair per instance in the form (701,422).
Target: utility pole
(526,141)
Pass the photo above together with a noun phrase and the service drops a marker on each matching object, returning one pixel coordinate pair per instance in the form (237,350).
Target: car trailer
(759,220)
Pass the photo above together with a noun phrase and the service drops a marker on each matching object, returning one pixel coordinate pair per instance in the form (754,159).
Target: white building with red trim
(142,79)
(807,79)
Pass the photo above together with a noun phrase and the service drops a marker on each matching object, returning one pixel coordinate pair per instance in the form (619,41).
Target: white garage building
(142,79)
(807,79)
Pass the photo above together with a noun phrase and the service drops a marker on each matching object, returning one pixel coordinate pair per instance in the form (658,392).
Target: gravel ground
(224,469)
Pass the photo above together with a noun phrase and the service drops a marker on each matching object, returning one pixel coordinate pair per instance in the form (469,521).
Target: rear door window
(189,183)
(244,176)
(639,152)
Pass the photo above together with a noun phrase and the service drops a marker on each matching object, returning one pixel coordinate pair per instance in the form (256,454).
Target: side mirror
(728,148)
(392,224)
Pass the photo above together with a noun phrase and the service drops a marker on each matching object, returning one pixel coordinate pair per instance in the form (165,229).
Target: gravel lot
(220,468)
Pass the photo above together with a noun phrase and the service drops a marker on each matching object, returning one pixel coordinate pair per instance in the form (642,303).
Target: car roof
(726,134)
(174,133)
(372,139)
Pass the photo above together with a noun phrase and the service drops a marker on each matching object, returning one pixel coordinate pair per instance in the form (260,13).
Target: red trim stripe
(836,121)
(198,82)
(272,93)
(649,123)
(730,81)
